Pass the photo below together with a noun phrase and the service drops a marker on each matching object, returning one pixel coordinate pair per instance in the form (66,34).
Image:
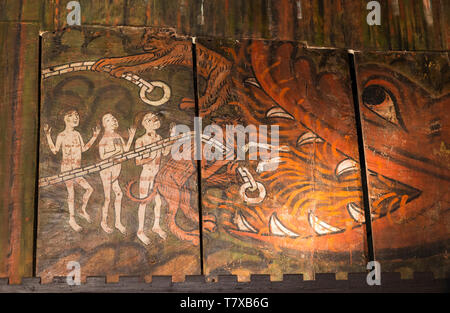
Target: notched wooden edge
(323,282)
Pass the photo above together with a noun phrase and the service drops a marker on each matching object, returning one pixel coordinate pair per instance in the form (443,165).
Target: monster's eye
(381,101)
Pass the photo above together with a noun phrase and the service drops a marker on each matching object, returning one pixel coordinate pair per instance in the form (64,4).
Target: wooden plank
(296,219)
(74,82)
(18,126)
(405,24)
(27,11)
(404,100)
(293,284)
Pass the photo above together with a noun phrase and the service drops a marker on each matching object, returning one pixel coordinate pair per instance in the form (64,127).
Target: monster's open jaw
(387,196)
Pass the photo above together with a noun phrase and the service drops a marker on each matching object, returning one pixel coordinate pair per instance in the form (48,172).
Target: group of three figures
(112,144)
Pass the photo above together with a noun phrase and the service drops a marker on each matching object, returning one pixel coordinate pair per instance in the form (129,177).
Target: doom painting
(404,101)
(111,197)
(289,200)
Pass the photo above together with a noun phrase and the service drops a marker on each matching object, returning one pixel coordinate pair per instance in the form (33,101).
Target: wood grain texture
(404,101)
(19,107)
(406,24)
(39,12)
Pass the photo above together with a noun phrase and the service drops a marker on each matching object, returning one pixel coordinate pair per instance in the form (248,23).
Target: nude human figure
(72,146)
(150,166)
(110,145)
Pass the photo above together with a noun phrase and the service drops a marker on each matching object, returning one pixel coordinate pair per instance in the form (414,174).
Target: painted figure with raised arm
(72,146)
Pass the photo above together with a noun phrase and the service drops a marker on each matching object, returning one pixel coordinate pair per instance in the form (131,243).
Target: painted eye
(382,102)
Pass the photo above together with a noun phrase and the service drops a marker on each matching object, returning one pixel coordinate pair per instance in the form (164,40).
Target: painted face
(110,122)
(151,122)
(72,119)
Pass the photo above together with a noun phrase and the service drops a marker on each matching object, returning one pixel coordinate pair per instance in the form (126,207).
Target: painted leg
(118,206)
(156,227)
(143,191)
(71,205)
(107,189)
(87,194)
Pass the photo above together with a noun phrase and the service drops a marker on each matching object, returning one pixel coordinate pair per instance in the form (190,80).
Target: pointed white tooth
(308,137)
(279,112)
(252,81)
(278,229)
(356,213)
(242,223)
(346,166)
(320,227)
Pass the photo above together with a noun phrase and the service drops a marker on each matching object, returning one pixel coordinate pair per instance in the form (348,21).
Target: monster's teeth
(278,229)
(279,112)
(320,227)
(242,224)
(356,213)
(252,81)
(346,166)
(308,137)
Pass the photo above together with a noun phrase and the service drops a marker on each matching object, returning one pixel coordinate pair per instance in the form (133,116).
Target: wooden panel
(296,220)
(405,24)
(404,104)
(18,126)
(100,80)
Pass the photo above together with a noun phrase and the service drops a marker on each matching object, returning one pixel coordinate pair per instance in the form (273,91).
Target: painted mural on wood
(404,100)
(111,197)
(297,209)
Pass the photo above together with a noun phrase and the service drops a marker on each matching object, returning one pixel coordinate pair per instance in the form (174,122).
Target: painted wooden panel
(18,126)
(287,207)
(404,101)
(110,192)
(405,24)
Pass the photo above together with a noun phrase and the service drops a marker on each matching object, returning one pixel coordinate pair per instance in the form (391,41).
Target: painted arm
(53,148)
(140,159)
(172,133)
(86,147)
(105,155)
(131,133)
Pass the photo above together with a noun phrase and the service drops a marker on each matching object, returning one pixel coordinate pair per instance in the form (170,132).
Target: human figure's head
(109,122)
(72,118)
(150,122)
